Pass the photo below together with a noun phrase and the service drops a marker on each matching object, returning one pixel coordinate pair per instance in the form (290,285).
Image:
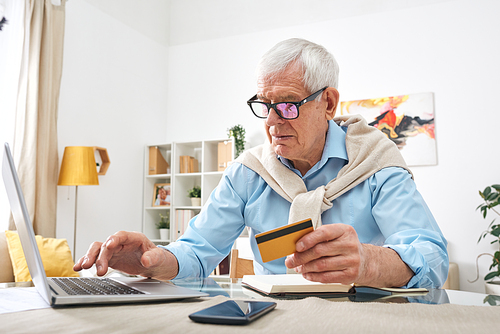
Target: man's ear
(332,100)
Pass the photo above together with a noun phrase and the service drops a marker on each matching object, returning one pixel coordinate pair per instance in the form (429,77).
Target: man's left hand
(334,254)
(331,253)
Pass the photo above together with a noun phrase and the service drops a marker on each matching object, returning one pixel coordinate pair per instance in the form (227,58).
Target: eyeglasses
(285,110)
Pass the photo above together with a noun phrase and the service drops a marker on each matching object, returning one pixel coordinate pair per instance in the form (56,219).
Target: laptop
(58,291)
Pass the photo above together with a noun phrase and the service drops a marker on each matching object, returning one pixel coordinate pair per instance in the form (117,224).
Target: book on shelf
(297,285)
(188,164)
(193,165)
(183,217)
(157,163)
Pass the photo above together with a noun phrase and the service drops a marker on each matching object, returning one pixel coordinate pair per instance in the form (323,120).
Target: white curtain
(11,50)
(35,142)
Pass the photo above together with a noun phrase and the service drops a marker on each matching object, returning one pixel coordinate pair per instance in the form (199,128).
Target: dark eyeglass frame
(274,105)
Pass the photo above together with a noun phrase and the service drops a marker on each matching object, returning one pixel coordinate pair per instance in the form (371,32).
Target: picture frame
(161,195)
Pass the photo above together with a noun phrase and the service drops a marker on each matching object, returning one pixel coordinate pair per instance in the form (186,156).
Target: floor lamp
(78,168)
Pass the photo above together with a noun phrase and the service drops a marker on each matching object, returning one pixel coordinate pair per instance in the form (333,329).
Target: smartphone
(233,312)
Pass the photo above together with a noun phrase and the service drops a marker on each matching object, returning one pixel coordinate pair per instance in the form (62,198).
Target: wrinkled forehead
(293,69)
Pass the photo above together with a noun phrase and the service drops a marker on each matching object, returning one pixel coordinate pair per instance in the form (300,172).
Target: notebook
(297,285)
(61,291)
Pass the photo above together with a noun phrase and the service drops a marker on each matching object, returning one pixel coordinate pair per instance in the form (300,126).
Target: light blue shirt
(385,210)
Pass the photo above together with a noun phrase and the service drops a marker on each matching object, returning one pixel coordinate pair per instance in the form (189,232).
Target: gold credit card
(281,241)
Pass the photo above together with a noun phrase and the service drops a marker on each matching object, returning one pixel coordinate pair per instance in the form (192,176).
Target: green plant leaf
(496,187)
(493,300)
(483,236)
(495,231)
(486,191)
(194,192)
(491,197)
(485,211)
(164,221)
(480,238)
(238,133)
(491,275)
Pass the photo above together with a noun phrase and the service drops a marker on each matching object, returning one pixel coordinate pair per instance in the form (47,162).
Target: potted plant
(238,133)
(491,200)
(195,195)
(164,226)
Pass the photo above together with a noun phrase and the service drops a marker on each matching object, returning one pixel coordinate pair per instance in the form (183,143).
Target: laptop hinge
(54,291)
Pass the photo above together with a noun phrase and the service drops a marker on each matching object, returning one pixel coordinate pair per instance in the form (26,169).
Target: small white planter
(195,201)
(164,233)
(492,288)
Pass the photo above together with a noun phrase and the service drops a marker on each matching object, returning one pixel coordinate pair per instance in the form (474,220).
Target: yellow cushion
(55,253)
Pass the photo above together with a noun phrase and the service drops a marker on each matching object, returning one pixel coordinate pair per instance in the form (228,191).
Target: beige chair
(239,266)
(452,283)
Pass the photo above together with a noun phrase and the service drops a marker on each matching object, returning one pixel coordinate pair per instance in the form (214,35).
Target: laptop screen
(23,224)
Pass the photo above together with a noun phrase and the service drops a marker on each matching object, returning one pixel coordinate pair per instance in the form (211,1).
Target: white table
(451,311)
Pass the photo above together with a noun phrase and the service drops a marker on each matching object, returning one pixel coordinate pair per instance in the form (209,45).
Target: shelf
(214,173)
(187,174)
(159,176)
(208,177)
(160,242)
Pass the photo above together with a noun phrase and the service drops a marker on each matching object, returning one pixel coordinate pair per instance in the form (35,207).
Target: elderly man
(372,226)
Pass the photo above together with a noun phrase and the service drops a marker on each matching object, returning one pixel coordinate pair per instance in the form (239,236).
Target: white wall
(197,20)
(449,48)
(113,95)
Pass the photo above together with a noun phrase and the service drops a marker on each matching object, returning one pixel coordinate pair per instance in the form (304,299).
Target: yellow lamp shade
(78,167)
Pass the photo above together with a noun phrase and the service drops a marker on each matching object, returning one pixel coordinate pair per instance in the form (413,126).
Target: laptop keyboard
(93,286)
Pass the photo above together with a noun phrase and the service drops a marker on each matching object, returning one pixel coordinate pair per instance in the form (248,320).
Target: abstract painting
(407,120)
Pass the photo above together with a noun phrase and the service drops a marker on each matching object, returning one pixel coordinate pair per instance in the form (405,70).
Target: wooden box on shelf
(157,163)
(225,155)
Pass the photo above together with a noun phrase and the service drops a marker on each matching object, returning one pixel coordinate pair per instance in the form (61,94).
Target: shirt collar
(335,142)
(334,147)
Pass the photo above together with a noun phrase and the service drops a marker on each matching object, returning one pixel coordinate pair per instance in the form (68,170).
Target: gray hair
(319,67)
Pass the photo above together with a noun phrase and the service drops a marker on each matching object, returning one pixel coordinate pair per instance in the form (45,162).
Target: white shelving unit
(208,177)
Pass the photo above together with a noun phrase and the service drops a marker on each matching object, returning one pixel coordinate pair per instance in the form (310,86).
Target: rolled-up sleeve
(409,227)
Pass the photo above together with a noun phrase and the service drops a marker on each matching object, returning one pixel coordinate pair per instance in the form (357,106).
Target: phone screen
(233,312)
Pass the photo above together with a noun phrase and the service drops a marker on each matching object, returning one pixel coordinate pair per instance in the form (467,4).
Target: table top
(438,311)
(223,286)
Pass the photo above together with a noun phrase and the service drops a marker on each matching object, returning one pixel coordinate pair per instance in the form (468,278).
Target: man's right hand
(132,253)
